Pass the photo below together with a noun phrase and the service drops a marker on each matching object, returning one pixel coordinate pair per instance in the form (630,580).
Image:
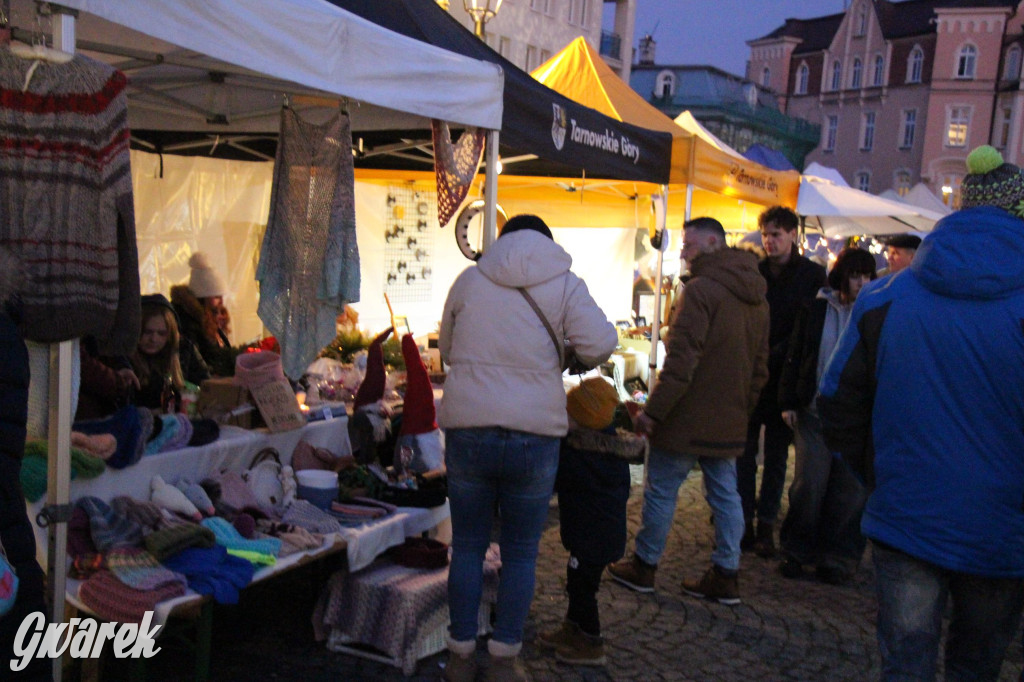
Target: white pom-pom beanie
(204,282)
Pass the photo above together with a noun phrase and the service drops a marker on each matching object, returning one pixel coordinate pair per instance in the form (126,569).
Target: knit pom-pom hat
(372,388)
(112,600)
(992,182)
(204,281)
(177,537)
(197,496)
(592,404)
(418,414)
(170,498)
(108,528)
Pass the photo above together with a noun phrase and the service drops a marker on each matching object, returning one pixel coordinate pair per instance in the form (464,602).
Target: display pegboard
(409,244)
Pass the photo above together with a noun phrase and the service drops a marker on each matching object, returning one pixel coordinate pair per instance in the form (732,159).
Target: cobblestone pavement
(784,630)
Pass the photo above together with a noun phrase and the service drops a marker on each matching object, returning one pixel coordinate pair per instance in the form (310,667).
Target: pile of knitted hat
(34,467)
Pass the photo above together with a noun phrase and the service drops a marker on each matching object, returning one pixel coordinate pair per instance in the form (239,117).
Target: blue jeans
(826,502)
(912,597)
(513,472)
(777,437)
(665,473)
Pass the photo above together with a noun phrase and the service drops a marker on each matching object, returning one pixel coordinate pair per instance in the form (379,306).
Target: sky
(715,31)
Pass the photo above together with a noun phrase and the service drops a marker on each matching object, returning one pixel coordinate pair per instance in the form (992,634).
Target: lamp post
(481,11)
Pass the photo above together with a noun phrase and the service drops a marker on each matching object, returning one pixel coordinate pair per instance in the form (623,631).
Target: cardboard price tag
(278,406)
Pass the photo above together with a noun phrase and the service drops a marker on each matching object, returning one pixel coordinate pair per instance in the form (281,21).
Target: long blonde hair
(166,362)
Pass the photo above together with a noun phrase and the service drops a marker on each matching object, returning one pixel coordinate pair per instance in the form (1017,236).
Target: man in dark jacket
(924,397)
(715,366)
(793,281)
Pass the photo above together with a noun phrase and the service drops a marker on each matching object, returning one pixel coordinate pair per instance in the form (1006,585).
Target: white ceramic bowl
(316,478)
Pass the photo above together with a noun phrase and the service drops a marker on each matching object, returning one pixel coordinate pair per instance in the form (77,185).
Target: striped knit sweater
(66,209)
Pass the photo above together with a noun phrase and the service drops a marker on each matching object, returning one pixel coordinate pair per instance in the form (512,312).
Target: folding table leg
(204,635)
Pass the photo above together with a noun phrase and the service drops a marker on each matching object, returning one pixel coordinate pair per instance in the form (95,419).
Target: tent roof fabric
(305,42)
(766,156)
(537,120)
(847,212)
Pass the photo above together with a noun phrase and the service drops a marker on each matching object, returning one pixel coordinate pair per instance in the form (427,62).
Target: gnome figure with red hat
(370,424)
(418,448)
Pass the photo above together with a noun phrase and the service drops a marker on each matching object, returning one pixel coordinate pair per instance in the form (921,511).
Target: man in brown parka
(715,366)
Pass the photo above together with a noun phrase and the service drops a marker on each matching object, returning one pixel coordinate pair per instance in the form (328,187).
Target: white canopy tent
(919,195)
(839,211)
(229,65)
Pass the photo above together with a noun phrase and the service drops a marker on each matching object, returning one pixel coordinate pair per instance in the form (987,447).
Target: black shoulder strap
(559,348)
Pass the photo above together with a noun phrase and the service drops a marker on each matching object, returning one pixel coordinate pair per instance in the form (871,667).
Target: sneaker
(764,544)
(747,543)
(791,568)
(634,574)
(561,636)
(716,584)
(460,668)
(583,649)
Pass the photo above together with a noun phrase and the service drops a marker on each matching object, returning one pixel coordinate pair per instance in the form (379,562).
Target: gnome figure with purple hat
(370,424)
(418,448)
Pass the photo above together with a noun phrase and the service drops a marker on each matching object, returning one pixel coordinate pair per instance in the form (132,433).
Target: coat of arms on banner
(558,126)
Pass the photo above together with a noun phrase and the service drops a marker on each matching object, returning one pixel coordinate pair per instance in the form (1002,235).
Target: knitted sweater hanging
(309,261)
(66,211)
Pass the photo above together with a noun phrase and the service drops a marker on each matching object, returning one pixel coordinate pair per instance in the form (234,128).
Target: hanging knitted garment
(66,209)
(309,261)
(455,166)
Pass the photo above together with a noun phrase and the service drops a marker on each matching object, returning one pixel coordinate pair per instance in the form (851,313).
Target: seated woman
(106,383)
(197,305)
(163,361)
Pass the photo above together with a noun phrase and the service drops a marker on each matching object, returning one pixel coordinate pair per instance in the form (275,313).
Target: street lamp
(481,11)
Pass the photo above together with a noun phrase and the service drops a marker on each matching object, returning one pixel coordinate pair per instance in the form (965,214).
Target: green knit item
(984,159)
(85,464)
(34,468)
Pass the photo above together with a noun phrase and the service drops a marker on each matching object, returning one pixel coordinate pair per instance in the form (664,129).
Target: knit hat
(108,528)
(112,600)
(196,495)
(204,281)
(139,569)
(372,388)
(904,241)
(418,412)
(170,498)
(592,404)
(203,431)
(126,427)
(182,436)
(146,514)
(168,430)
(213,571)
(79,535)
(176,537)
(525,221)
(229,537)
(992,182)
(103,445)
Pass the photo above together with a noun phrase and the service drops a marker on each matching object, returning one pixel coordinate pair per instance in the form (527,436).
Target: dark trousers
(777,438)
(582,581)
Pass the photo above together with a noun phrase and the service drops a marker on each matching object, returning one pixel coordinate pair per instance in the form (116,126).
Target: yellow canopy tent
(722,180)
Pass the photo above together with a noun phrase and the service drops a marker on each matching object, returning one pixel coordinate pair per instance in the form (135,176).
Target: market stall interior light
(481,12)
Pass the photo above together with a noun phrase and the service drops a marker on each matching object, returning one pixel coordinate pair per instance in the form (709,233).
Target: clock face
(466,215)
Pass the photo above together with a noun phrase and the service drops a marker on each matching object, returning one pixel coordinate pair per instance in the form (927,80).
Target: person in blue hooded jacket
(924,397)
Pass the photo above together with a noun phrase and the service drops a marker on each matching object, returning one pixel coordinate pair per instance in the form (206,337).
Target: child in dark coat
(593,487)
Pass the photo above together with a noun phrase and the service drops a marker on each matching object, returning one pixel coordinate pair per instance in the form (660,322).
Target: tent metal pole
(652,377)
(58,475)
(491,190)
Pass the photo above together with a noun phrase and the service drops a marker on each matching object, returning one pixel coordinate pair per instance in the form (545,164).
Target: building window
(837,74)
(802,75)
(531,58)
(766,78)
(1011,70)
(863,181)
(541,6)
(909,128)
(545,55)
(665,85)
(879,71)
(902,184)
(1005,117)
(965,62)
(855,73)
(862,22)
(831,129)
(915,65)
(867,138)
(504,46)
(956,131)
(579,12)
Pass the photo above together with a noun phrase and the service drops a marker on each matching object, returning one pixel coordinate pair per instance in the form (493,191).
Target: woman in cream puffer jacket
(503,413)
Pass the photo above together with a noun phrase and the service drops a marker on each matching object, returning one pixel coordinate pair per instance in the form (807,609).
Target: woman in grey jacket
(503,413)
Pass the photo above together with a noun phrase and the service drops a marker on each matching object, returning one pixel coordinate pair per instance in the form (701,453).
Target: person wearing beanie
(198,304)
(899,252)
(504,415)
(593,488)
(370,424)
(419,442)
(922,398)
